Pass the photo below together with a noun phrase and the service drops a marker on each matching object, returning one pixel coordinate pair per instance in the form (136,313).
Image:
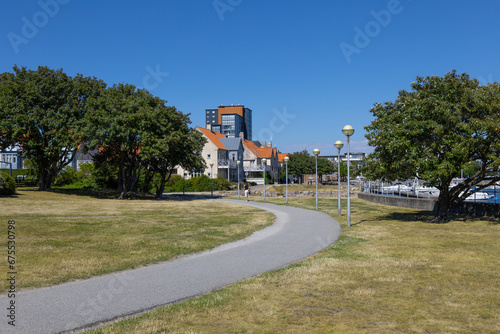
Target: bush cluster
(7,184)
(199,183)
(91,176)
(70,178)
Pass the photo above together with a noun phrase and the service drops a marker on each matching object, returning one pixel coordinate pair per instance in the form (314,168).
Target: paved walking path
(296,234)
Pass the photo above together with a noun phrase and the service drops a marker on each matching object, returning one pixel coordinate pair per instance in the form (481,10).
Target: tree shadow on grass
(102,193)
(189,197)
(428,217)
(15,195)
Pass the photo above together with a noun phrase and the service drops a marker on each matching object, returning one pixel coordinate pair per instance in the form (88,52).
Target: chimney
(242,136)
(209,126)
(263,144)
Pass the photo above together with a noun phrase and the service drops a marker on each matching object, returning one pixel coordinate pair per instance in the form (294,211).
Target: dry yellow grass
(303,187)
(61,237)
(61,204)
(392,271)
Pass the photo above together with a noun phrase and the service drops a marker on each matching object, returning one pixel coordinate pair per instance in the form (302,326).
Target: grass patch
(391,271)
(303,187)
(64,235)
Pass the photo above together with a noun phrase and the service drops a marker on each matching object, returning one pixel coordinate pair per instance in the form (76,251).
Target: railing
(227,164)
(250,168)
(254,168)
(257,180)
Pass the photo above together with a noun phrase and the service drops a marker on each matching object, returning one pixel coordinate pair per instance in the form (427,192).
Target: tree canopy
(43,110)
(443,125)
(50,115)
(325,167)
(301,163)
(135,131)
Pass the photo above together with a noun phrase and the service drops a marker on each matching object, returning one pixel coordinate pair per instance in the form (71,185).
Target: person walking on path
(247,190)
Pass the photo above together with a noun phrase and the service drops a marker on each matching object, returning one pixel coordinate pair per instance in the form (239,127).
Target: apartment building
(231,121)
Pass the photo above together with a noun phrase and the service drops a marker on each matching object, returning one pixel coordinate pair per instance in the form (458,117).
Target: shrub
(67,176)
(86,170)
(70,178)
(174,184)
(7,184)
(104,174)
(222,184)
(201,183)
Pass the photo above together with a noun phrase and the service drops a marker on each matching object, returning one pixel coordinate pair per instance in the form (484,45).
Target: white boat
(423,191)
(426,192)
(480,195)
(395,189)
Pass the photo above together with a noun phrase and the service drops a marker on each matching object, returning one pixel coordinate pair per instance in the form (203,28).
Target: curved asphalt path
(296,234)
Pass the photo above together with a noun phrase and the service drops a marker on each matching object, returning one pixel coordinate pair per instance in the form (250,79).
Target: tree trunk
(443,204)
(129,182)
(147,181)
(161,188)
(120,180)
(45,179)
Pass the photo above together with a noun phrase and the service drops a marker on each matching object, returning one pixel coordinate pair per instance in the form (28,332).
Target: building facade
(253,164)
(10,158)
(231,121)
(221,155)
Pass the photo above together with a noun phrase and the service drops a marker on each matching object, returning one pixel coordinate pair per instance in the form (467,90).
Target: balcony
(255,168)
(231,164)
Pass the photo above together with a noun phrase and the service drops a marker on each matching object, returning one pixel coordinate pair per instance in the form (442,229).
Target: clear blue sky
(305,68)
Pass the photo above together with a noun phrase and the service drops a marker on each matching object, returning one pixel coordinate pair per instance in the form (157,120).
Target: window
(208,156)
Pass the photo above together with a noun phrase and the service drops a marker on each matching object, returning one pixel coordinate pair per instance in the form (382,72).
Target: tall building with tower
(230,121)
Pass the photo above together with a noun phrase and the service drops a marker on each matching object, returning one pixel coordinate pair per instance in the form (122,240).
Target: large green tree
(170,143)
(325,167)
(115,123)
(135,131)
(43,110)
(301,163)
(434,131)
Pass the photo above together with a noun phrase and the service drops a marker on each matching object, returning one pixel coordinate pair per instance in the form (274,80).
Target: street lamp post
(286,176)
(338,145)
(184,184)
(348,131)
(211,181)
(264,176)
(238,163)
(316,152)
